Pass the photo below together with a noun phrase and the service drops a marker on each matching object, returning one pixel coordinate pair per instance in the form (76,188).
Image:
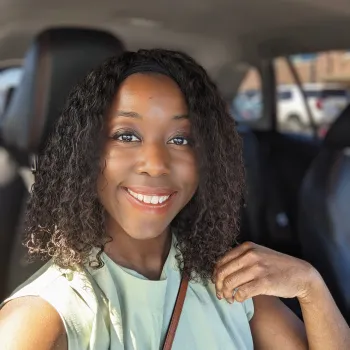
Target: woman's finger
(235,253)
(252,289)
(250,258)
(229,269)
(236,280)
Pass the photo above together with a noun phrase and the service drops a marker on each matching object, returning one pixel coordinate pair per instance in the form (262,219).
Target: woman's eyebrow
(136,115)
(128,114)
(181,116)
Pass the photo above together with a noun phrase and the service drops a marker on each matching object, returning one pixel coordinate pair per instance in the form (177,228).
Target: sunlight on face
(150,169)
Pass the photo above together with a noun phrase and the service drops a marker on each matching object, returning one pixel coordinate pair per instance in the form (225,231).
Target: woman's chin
(143,236)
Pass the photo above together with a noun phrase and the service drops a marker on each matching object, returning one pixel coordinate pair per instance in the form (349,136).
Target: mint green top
(115,308)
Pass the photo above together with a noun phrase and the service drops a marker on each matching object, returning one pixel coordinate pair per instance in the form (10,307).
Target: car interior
(298,185)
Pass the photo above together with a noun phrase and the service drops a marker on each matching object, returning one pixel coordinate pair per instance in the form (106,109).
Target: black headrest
(55,62)
(338,136)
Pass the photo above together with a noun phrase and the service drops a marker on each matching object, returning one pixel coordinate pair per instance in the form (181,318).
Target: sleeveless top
(118,309)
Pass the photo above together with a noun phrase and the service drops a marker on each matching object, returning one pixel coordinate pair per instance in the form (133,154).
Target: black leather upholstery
(338,135)
(11,208)
(324,217)
(55,62)
(253,214)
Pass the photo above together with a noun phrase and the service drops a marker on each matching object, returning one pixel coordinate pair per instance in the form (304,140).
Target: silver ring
(235,291)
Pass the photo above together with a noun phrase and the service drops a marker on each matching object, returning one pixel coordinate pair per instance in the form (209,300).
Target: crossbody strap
(175,317)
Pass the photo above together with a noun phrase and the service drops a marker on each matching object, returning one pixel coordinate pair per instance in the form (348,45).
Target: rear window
(9,80)
(325,80)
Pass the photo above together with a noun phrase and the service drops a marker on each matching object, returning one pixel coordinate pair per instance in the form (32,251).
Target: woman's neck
(147,257)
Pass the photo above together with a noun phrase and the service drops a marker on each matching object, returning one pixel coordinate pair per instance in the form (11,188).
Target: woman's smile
(155,200)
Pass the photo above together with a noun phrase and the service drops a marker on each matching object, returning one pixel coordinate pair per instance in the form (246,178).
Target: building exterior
(332,66)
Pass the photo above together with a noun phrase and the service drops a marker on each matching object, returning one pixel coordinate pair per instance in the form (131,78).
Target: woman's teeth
(149,199)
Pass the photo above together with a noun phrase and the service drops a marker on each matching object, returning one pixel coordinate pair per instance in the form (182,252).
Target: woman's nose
(154,160)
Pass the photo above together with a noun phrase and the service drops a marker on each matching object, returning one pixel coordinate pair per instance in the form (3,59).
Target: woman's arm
(253,271)
(275,326)
(30,323)
(325,325)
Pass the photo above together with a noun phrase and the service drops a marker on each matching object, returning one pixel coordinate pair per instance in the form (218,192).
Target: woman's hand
(249,270)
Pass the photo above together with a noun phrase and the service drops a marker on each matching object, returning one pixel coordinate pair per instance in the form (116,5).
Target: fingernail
(219,296)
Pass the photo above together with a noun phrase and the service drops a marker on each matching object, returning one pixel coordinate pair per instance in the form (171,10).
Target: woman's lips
(154,200)
(156,191)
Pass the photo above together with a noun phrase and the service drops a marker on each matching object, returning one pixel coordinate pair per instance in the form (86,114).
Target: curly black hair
(65,219)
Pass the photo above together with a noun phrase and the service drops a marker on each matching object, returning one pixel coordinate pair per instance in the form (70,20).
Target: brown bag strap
(174,321)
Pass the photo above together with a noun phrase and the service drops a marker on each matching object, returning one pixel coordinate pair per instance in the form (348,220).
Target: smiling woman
(146,121)
(137,200)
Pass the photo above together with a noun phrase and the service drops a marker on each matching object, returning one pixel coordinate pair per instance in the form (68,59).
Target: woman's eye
(126,137)
(179,141)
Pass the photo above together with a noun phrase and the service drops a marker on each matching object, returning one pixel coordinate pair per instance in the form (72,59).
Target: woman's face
(149,170)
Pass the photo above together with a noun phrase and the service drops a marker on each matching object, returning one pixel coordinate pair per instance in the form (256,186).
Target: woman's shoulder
(44,325)
(50,280)
(39,281)
(66,291)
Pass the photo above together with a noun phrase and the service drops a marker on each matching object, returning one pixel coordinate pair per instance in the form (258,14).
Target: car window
(324,93)
(284,95)
(325,78)
(247,106)
(313,93)
(9,80)
(335,93)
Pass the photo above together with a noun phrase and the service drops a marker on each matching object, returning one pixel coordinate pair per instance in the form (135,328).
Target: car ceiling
(218,33)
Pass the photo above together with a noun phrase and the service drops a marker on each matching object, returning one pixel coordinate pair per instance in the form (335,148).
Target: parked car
(326,101)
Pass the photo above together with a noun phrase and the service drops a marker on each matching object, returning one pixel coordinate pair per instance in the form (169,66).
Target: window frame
(2,70)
